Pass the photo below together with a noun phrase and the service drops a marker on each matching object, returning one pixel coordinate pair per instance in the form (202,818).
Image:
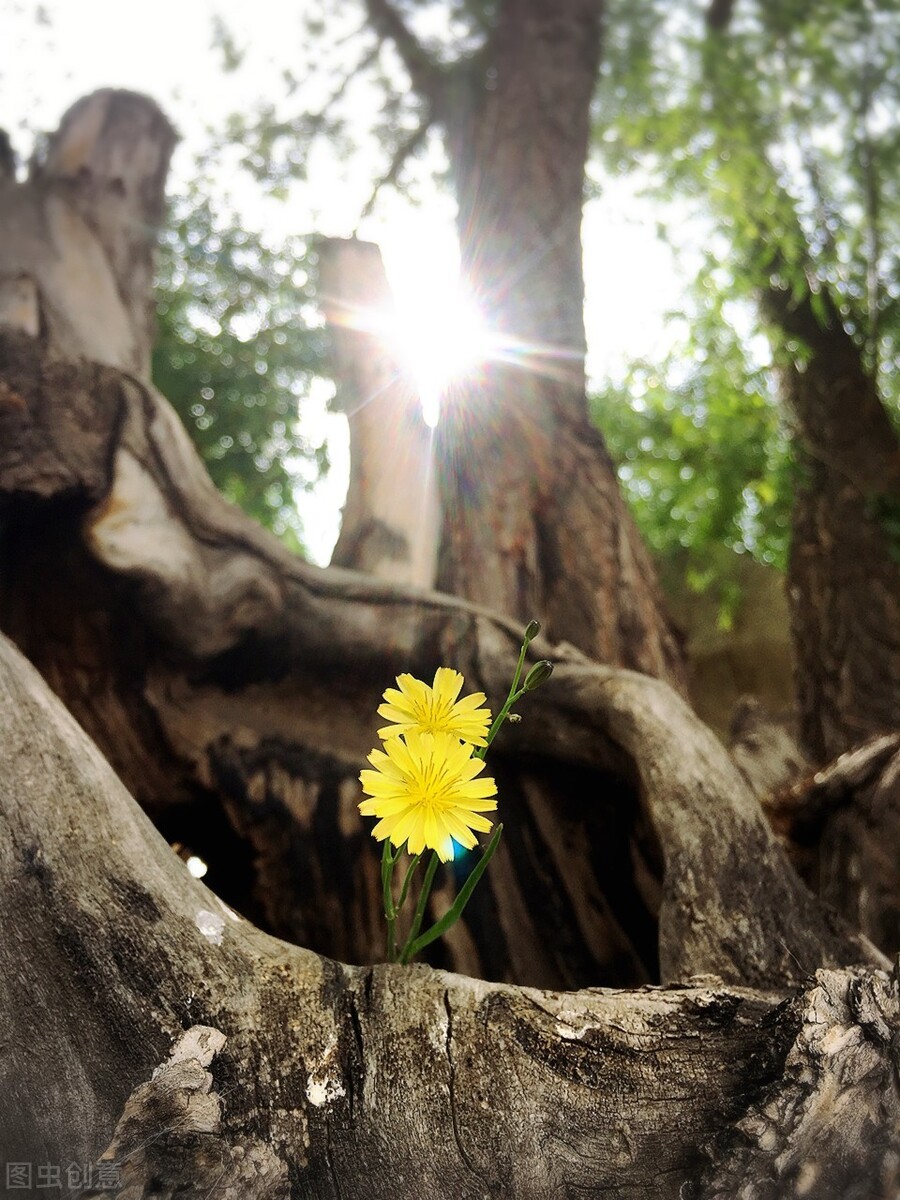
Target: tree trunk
(844,564)
(233,687)
(391,519)
(191,1053)
(520,457)
(844,568)
(534,524)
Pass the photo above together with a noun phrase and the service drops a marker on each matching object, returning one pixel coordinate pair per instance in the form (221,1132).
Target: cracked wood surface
(233,687)
(195,1053)
(255,675)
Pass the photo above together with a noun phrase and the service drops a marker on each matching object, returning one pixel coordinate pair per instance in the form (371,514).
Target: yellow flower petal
(458,829)
(379,785)
(413,706)
(424,792)
(480,805)
(447,685)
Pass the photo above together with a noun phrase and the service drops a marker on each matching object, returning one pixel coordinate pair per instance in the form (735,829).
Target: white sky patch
(166,50)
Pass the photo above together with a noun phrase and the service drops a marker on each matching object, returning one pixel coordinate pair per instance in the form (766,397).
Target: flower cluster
(427,790)
(424,786)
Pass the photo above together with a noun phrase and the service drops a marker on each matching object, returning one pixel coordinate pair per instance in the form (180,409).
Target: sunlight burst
(440,337)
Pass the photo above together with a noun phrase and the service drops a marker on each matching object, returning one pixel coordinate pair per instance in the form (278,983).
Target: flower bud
(538,674)
(532,630)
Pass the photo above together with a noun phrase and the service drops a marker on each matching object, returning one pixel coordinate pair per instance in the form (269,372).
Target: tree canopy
(239,344)
(766,136)
(234,690)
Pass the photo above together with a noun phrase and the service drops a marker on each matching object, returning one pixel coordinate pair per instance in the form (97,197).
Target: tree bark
(190,1052)
(391,519)
(233,688)
(844,567)
(534,523)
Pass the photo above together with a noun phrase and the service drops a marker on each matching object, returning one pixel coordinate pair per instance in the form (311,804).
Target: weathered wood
(76,255)
(391,520)
(842,828)
(534,523)
(765,749)
(254,680)
(193,1052)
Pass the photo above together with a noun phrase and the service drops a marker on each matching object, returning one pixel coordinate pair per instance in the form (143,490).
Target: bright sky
(166,50)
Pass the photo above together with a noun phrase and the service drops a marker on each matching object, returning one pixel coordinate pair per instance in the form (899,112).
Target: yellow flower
(418,708)
(425,793)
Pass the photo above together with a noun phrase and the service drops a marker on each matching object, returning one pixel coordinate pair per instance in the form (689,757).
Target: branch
(224,596)
(424,73)
(349,1079)
(835,383)
(719,14)
(407,148)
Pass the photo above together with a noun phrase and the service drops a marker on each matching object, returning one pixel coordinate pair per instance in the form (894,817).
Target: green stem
(520,664)
(390,913)
(515,692)
(499,719)
(412,948)
(420,906)
(410,871)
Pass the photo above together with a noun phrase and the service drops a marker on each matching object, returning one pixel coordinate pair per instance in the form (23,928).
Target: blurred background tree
(238,348)
(775,126)
(764,136)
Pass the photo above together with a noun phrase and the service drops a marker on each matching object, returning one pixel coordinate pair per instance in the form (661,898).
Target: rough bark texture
(391,520)
(84,226)
(149,1026)
(219,672)
(844,569)
(195,1054)
(534,523)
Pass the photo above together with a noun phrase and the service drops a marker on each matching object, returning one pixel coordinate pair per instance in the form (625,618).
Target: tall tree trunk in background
(844,563)
(533,520)
(844,567)
(200,702)
(391,519)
